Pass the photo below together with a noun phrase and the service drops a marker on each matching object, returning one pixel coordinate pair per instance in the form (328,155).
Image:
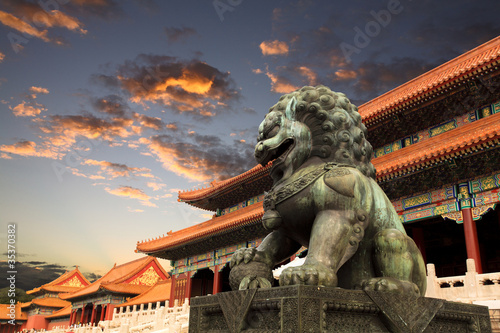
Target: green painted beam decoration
(487,197)
(479,194)
(485,183)
(240,205)
(477,213)
(439,129)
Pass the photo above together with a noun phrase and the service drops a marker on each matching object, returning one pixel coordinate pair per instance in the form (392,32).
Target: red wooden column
(172,291)
(102,313)
(92,317)
(73,317)
(418,238)
(109,312)
(217,280)
(83,312)
(471,241)
(189,284)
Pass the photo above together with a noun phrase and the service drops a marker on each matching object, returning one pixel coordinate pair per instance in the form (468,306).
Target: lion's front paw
(249,254)
(309,274)
(250,269)
(390,284)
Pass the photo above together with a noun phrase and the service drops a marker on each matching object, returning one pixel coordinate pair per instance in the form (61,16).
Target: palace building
(49,300)
(97,301)
(436,143)
(71,299)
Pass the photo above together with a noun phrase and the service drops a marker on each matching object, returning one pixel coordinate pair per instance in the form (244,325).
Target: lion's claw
(316,275)
(249,254)
(250,269)
(253,282)
(390,284)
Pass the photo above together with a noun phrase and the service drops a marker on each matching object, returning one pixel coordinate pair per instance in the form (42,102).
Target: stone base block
(317,309)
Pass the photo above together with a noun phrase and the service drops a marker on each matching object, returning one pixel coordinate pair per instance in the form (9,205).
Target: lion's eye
(273,131)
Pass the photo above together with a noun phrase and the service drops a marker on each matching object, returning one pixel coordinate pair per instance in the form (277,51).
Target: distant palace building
(48,300)
(71,299)
(436,143)
(97,301)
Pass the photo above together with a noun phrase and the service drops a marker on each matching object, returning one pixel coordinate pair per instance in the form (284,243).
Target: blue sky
(109,108)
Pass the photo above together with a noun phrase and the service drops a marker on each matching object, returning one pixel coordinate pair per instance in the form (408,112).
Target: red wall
(37,322)
(53,324)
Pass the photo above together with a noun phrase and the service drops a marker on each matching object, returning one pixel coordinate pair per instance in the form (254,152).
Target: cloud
(116,169)
(375,78)
(182,86)
(28,148)
(151,122)
(2,56)
(67,128)
(155,186)
(29,17)
(33,274)
(135,210)
(21,26)
(132,193)
(279,84)
(55,18)
(104,9)
(113,105)
(311,76)
(176,34)
(172,127)
(39,90)
(274,47)
(25,110)
(345,74)
(203,158)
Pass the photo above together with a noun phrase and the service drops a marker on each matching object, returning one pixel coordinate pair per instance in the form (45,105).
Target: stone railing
(473,288)
(158,320)
(162,319)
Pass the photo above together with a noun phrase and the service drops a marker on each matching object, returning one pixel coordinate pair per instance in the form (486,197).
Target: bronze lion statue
(325,197)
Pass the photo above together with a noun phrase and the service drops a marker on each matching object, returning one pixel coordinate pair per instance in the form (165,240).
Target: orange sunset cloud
(273,47)
(132,193)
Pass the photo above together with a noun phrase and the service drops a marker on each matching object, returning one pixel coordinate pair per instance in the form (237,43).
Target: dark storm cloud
(375,78)
(108,81)
(175,34)
(113,105)
(202,157)
(183,86)
(421,38)
(105,9)
(92,277)
(33,274)
(150,122)
(455,39)
(88,126)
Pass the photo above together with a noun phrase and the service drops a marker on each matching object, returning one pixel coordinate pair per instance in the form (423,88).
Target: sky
(109,108)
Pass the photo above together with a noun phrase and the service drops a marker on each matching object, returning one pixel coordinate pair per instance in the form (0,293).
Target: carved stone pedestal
(316,309)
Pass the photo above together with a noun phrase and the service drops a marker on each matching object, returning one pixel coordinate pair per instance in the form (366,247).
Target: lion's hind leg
(397,264)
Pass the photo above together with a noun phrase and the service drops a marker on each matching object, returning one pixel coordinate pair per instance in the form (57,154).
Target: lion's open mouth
(278,154)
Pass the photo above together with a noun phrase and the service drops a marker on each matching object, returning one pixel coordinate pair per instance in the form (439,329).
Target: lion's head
(313,121)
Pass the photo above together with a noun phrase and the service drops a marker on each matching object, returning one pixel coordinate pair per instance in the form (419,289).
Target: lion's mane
(338,135)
